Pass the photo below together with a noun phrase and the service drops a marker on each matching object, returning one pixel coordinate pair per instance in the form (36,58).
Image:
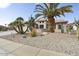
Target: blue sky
(9,12)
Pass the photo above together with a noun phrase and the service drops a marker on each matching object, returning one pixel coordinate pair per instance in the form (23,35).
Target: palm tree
(50,11)
(31,23)
(18,25)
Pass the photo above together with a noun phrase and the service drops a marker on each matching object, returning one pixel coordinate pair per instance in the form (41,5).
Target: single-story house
(60,25)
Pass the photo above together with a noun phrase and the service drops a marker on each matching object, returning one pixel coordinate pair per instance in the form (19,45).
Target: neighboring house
(73,28)
(60,25)
(3,28)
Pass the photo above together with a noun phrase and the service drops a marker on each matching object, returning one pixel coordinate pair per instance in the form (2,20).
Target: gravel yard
(59,42)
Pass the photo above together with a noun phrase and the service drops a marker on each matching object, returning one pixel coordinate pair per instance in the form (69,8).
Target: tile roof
(58,20)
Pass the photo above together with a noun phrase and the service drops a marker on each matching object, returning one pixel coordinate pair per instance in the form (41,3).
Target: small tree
(18,25)
(31,23)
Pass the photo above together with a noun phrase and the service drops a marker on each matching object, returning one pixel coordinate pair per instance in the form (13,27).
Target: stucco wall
(44,23)
(59,30)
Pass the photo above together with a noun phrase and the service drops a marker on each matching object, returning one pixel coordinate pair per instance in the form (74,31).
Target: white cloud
(4,5)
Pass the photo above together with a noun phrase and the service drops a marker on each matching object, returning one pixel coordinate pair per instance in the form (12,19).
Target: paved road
(7,32)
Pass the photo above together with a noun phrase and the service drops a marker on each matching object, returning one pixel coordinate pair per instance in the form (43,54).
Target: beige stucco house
(60,25)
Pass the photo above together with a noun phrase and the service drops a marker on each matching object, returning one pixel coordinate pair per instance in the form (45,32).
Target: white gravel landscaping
(59,42)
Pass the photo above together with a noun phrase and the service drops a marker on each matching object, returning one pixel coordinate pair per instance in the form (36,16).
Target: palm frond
(38,15)
(40,7)
(62,10)
(20,18)
(67,8)
(52,10)
(46,6)
(56,5)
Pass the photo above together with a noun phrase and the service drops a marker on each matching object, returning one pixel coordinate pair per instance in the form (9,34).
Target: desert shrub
(33,33)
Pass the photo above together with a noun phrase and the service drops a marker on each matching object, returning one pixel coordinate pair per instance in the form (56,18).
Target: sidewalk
(9,48)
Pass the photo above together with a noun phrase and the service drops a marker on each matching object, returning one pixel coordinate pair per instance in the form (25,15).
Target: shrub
(33,33)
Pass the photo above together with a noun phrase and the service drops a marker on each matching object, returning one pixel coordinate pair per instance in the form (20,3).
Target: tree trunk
(18,28)
(21,26)
(26,29)
(51,24)
(15,29)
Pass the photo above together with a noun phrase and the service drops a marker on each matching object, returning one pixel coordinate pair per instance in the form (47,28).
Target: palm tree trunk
(15,29)
(26,29)
(21,26)
(51,24)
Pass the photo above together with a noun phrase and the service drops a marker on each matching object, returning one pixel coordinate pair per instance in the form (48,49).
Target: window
(40,22)
(59,26)
(41,26)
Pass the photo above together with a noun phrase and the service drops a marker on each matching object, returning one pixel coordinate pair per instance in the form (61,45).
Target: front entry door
(41,26)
